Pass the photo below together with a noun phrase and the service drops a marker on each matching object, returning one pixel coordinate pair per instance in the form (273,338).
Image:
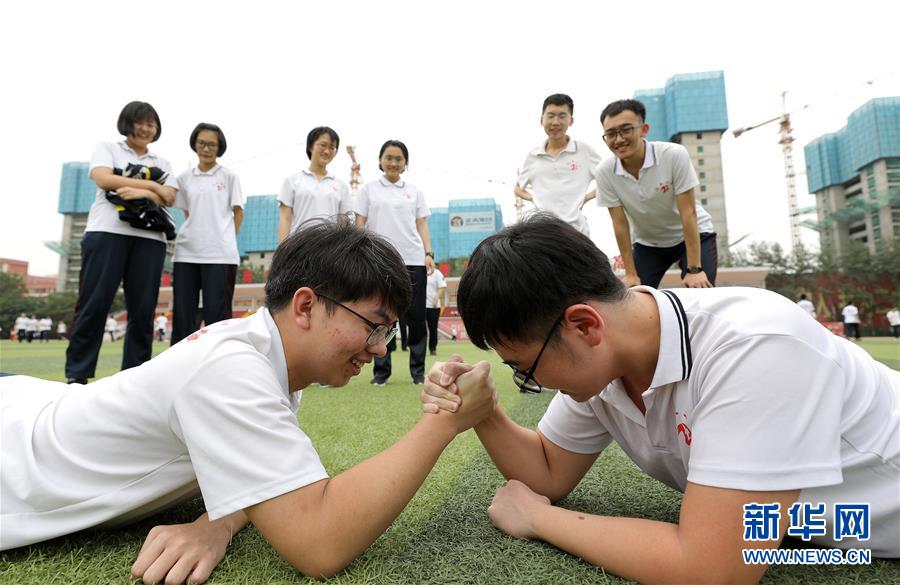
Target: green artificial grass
(443,536)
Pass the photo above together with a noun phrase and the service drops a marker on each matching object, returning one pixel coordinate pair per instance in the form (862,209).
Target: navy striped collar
(675,359)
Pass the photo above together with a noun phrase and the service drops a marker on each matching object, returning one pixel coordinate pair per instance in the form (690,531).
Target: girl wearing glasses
(206,252)
(113,251)
(396,210)
(313,192)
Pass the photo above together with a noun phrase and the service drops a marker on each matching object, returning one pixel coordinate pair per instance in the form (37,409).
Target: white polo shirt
(207,236)
(559,184)
(161,322)
(850,314)
(649,200)
(749,393)
(434,283)
(104,217)
(893,317)
(215,410)
(309,197)
(807,306)
(391,210)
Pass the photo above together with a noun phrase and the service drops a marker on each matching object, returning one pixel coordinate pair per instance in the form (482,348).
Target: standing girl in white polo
(313,192)
(113,252)
(396,210)
(206,253)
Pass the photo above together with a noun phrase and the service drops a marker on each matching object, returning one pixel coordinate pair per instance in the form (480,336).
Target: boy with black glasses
(733,396)
(648,188)
(218,412)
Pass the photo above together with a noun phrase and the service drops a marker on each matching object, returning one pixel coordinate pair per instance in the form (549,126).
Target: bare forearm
(520,192)
(356,506)
(517,452)
(691,237)
(646,551)
(284,223)
(238,219)
(623,239)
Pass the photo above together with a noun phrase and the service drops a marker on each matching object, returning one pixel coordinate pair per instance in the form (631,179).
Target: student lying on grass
(733,396)
(218,411)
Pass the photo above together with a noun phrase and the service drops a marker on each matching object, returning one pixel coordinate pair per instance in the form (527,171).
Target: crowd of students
(30,328)
(734,396)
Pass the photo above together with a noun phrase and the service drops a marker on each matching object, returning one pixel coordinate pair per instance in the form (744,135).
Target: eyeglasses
(201,145)
(380,332)
(525,380)
(623,131)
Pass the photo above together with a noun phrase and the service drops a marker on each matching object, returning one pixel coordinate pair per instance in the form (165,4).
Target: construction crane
(785,131)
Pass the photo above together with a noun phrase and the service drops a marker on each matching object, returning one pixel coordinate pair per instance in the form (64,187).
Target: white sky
(461,83)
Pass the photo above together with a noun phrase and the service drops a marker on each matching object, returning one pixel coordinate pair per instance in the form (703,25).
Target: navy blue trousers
(652,263)
(106,261)
(217,283)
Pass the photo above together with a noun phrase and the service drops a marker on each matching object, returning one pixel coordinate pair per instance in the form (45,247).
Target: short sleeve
(362,201)
(346,201)
(171,179)
(593,156)
(764,423)
(606,193)
(525,172)
(422,210)
(103,156)
(182,197)
(286,195)
(243,437)
(573,426)
(684,177)
(237,194)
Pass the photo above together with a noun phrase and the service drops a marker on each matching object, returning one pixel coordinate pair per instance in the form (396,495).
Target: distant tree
(13,301)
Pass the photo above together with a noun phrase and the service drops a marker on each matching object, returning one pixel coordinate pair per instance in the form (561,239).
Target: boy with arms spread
(648,188)
(733,396)
(218,411)
(559,170)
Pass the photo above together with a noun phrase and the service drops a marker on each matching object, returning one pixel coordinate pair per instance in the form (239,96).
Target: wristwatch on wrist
(694,269)
(430,253)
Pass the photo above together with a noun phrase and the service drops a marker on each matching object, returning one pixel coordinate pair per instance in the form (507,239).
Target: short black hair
(340,261)
(210,128)
(803,296)
(521,279)
(619,106)
(137,112)
(399,145)
(559,99)
(314,135)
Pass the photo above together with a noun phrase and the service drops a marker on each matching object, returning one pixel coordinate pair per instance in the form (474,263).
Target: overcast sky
(460,82)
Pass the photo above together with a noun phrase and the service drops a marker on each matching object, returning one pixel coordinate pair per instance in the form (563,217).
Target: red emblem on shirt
(664,187)
(220,186)
(574,165)
(684,430)
(196,336)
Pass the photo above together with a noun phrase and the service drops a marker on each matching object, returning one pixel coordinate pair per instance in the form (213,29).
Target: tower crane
(785,131)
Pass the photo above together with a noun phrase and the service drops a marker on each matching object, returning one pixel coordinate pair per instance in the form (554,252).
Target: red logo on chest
(683,429)
(664,188)
(573,165)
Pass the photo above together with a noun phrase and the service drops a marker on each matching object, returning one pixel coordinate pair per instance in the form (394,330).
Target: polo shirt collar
(197,172)
(649,159)
(309,173)
(542,149)
(275,353)
(399,184)
(675,359)
(124,145)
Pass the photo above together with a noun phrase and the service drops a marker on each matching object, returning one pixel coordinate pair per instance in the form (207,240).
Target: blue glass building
(458,228)
(691,110)
(854,174)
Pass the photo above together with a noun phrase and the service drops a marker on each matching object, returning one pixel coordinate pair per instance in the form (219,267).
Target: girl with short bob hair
(396,210)
(113,252)
(206,252)
(313,192)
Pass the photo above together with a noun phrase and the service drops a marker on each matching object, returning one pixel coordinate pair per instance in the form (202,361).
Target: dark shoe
(403,348)
(433,352)
(77,381)
(419,380)
(378,382)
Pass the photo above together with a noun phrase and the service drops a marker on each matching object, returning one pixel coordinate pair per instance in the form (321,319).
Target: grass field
(443,536)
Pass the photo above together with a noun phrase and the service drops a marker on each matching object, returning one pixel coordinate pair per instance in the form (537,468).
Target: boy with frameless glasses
(648,188)
(733,396)
(217,413)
